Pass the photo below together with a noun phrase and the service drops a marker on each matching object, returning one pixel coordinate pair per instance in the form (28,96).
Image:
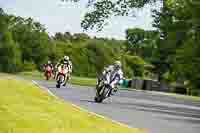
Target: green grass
(74,79)
(26,109)
(83,81)
(4,74)
(181,96)
(33,75)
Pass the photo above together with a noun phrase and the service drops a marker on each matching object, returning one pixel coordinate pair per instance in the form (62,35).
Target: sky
(61,17)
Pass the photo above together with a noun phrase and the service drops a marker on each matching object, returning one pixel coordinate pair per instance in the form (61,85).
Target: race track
(151,111)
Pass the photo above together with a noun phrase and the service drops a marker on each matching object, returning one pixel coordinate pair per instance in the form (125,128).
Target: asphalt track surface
(151,111)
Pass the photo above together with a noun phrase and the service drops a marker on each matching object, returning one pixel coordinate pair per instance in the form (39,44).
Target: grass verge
(83,81)
(195,98)
(74,79)
(26,109)
(4,74)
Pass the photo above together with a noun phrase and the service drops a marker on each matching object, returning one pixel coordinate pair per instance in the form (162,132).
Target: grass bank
(4,74)
(195,98)
(74,79)
(26,109)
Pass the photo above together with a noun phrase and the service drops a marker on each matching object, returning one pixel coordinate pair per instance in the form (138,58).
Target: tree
(171,35)
(104,9)
(135,66)
(32,39)
(3,22)
(9,54)
(135,39)
(62,37)
(141,42)
(98,56)
(30,44)
(80,37)
(186,59)
(187,63)
(178,24)
(68,36)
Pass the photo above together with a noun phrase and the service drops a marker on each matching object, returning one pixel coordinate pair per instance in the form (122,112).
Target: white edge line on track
(80,108)
(34,82)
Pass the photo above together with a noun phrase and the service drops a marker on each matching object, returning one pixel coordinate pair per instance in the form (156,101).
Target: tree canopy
(102,10)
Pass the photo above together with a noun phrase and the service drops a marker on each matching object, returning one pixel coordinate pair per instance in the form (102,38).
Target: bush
(134,65)
(195,92)
(28,66)
(179,90)
(10,54)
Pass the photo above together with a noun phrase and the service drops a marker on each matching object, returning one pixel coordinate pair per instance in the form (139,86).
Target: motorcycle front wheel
(102,94)
(58,85)
(60,81)
(48,76)
(98,99)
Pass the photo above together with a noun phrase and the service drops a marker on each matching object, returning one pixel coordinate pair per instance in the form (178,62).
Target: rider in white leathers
(66,61)
(116,74)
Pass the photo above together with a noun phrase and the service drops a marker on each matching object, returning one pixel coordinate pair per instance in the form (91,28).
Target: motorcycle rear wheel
(47,76)
(58,85)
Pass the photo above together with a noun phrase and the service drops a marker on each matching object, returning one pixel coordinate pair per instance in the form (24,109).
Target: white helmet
(66,58)
(49,62)
(117,65)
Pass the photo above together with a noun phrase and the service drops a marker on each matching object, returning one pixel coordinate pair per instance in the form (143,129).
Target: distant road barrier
(150,85)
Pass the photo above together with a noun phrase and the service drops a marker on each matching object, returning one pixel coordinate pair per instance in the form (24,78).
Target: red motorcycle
(47,72)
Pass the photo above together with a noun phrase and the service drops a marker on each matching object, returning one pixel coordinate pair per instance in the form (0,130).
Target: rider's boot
(114,90)
(64,84)
(56,76)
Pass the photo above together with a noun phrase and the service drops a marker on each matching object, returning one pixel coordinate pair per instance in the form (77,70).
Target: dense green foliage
(178,23)
(9,53)
(172,48)
(102,10)
(176,40)
(169,52)
(25,45)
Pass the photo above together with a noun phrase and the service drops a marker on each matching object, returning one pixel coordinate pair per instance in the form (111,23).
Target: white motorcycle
(104,89)
(62,74)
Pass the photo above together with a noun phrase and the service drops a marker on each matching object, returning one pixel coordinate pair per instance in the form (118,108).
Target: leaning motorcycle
(48,72)
(62,72)
(103,90)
